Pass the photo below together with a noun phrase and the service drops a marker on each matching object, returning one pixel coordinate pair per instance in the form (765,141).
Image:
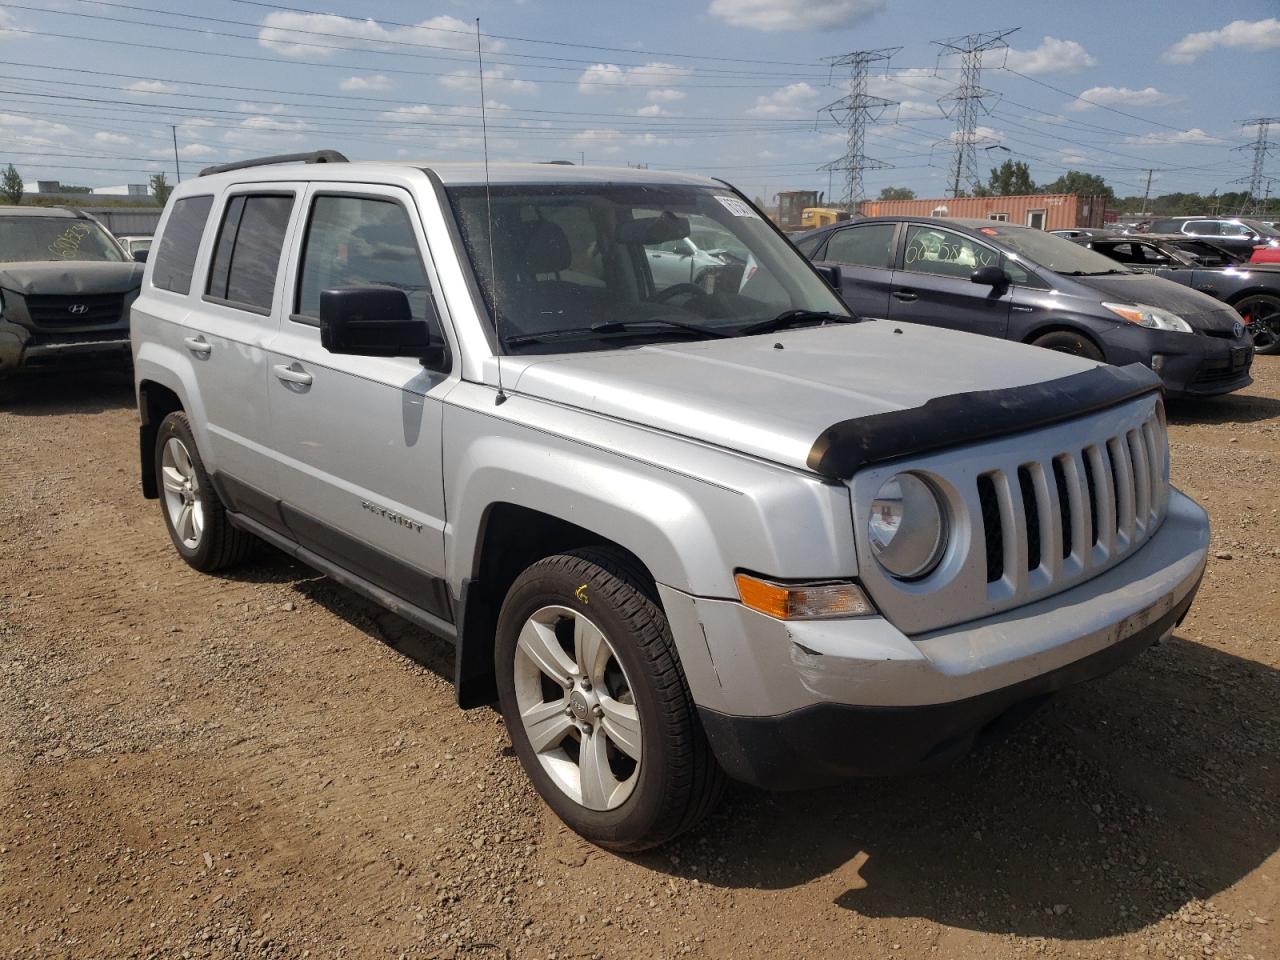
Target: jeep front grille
(1053,519)
(75,310)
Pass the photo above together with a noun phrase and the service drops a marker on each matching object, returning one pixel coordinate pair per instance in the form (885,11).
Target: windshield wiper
(795,318)
(612,328)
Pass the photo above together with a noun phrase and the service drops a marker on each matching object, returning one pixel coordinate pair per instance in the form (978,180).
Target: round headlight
(907,526)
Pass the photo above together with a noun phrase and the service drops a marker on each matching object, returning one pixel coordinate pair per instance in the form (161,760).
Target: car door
(864,254)
(229,331)
(932,285)
(358,438)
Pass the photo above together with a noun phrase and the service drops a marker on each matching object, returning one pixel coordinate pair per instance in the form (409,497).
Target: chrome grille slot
(1050,520)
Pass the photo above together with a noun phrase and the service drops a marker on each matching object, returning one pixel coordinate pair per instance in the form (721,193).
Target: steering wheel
(692,289)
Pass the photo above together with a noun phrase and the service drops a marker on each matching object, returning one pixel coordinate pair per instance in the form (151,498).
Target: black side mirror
(377,322)
(140,256)
(831,274)
(990,276)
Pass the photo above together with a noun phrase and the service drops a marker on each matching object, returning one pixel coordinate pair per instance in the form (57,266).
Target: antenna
(488,214)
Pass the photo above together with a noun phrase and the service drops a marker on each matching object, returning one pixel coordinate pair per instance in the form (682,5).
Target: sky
(92,92)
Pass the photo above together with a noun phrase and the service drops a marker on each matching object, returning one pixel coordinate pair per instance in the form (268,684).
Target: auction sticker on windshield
(736,206)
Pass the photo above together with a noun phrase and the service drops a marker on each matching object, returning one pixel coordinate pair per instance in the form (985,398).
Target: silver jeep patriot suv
(679,528)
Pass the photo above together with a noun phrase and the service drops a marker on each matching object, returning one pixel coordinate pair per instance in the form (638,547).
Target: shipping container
(1045,211)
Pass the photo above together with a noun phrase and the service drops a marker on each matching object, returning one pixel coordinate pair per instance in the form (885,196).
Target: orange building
(1045,211)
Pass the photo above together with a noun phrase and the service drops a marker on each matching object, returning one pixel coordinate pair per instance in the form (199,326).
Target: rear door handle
(906,296)
(198,345)
(292,374)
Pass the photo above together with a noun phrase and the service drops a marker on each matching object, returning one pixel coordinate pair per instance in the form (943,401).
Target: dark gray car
(1021,284)
(66,286)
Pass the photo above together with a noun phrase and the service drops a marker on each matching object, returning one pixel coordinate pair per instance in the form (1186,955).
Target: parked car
(1075,233)
(683,261)
(1253,289)
(1251,238)
(136,246)
(1018,283)
(65,290)
(676,533)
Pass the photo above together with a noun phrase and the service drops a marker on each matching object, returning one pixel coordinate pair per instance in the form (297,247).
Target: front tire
(1262,313)
(193,513)
(596,704)
(1066,341)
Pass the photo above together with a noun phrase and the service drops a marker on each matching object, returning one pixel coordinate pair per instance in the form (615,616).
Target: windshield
(647,262)
(24,239)
(1261,229)
(1052,253)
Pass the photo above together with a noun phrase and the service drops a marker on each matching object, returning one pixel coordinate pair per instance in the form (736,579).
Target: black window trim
(228,198)
(314,322)
(204,229)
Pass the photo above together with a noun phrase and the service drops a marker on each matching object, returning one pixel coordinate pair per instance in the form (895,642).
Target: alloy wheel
(182,495)
(577,708)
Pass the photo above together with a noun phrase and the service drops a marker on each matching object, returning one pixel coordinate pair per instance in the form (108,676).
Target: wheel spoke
(182,460)
(197,519)
(546,724)
(621,723)
(598,782)
(185,524)
(173,480)
(590,650)
(538,642)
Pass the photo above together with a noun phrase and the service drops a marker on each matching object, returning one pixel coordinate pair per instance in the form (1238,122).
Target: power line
(1260,148)
(968,98)
(854,111)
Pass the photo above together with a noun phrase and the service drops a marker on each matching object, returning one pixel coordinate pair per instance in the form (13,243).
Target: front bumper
(804,703)
(1191,365)
(20,348)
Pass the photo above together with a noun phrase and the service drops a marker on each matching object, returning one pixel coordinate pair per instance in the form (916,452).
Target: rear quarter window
(246,259)
(175,260)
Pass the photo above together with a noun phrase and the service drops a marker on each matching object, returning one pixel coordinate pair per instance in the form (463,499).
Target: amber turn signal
(819,600)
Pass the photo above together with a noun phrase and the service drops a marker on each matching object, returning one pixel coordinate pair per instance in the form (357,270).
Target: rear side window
(869,246)
(809,245)
(360,242)
(246,259)
(175,259)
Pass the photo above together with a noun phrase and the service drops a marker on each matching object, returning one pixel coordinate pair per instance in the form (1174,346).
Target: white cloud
(263,132)
(102,136)
(917,110)
(1194,135)
(196,151)
(1123,97)
(601,141)
(319,34)
(981,136)
(376,82)
(260,108)
(7,21)
(608,77)
(793,100)
(152,86)
(908,83)
(410,113)
(1244,34)
(654,110)
(1052,56)
(494,80)
(773,15)
(665,96)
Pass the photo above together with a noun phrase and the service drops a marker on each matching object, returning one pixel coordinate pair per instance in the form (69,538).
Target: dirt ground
(265,765)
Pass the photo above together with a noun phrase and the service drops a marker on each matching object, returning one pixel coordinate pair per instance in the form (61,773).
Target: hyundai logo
(78,308)
(1237,329)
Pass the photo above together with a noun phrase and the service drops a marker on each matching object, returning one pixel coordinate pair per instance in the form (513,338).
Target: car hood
(69,276)
(1201,311)
(746,394)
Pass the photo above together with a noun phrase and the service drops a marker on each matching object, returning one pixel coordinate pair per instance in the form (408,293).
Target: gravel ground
(265,765)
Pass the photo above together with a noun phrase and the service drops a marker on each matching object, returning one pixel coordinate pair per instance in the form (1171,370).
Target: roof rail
(313,156)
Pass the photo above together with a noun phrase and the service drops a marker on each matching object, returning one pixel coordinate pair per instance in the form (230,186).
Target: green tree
(160,188)
(1081,184)
(11,185)
(897,193)
(1011,179)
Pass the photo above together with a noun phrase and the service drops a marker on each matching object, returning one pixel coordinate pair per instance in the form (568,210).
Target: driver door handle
(198,345)
(292,374)
(906,296)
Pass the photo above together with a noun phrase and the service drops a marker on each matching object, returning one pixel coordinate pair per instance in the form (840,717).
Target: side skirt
(414,614)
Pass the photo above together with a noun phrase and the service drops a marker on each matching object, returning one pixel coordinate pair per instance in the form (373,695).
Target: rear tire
(193,514)
(1065,341)
(1262,311)
(587,667)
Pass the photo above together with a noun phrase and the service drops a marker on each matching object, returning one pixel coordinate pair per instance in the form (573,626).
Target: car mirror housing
(377,322)
(990,276)
(831,274)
